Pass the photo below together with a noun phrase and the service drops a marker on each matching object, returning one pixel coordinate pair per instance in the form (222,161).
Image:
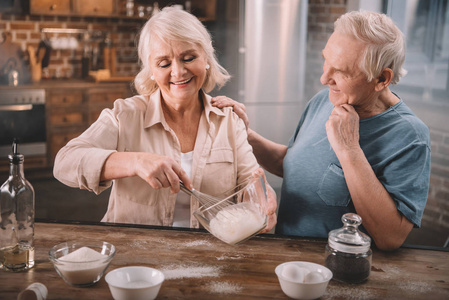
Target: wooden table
(198,266)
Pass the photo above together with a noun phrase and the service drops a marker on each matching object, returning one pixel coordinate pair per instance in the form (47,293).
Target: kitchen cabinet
(73,7)
(205,10)
(99,98)
(94,8)
(51,7)
(70,111)
(66,118)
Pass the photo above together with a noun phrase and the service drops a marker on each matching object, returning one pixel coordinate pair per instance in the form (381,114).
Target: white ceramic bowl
(134,283)
(303,280)
(83,269)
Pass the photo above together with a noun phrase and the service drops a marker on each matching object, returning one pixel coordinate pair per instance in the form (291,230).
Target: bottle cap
(349,238)
(15,157)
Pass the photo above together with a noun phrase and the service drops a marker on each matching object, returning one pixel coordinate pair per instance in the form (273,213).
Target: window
(426,26)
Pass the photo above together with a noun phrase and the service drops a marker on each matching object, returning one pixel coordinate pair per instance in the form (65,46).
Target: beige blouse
(222,157)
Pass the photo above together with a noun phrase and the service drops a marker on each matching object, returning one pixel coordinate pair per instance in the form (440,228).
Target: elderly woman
(169,133)
(358,147)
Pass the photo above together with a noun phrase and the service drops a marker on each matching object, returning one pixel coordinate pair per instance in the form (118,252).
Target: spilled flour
(349,293)
(216,287)
(231,256)
(184,271)
(147,244)
(139,244)
(196,243)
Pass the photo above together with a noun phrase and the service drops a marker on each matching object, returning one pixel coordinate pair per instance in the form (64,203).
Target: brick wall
(26,30)
(437,209)
(321,17)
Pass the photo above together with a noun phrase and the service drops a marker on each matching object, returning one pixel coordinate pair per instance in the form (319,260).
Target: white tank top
(181,216)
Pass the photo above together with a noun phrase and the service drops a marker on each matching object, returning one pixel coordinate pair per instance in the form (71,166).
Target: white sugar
(237,222)
(83,254)
(82,266)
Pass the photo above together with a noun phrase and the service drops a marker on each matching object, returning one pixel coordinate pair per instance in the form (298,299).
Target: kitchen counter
(199,266)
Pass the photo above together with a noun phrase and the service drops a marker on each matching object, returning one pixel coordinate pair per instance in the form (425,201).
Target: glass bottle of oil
(17,217)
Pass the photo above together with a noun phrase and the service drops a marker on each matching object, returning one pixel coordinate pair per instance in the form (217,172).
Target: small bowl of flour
(239,216)
(81,264)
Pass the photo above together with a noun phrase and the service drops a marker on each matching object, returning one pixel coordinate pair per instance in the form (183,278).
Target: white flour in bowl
(237,222)
(82,266)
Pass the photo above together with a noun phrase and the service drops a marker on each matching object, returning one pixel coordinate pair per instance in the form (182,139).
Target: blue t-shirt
(314,192)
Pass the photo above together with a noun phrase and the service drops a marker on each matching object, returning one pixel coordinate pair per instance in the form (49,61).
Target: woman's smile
(183,82)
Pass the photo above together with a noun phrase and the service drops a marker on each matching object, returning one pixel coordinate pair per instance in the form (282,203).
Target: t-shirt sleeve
(406,178)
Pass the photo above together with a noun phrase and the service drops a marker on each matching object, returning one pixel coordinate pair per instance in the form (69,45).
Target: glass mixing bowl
(81,264)
(238,217)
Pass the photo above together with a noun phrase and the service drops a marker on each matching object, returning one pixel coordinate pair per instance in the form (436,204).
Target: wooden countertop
(209,269)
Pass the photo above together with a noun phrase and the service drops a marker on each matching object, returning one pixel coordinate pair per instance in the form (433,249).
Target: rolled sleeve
(90,167)
(80,162)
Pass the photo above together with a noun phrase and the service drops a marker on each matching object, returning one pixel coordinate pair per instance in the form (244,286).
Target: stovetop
(22,96)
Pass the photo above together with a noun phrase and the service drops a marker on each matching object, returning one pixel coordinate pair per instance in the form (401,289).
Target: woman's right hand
(239,108)
(161,171)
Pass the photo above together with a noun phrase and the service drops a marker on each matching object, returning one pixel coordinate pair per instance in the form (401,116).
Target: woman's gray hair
(385,43)
(172,24)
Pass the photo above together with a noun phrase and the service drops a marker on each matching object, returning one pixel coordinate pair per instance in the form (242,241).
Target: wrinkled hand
(239,108)
(161,171)
(271,206)
(342,129)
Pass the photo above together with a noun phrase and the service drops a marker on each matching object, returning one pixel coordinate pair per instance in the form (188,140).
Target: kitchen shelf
(204,10)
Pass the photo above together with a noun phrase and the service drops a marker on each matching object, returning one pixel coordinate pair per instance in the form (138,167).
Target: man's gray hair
(385,43)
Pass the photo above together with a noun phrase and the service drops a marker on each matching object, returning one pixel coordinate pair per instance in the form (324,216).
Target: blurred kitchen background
(63,61)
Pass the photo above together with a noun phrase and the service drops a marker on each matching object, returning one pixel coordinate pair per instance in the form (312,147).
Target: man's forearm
(270,155)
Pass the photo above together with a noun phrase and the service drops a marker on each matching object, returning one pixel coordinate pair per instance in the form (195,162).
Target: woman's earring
(207,67)
(152,77)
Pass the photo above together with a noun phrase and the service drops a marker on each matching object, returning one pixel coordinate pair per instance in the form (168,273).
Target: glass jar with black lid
(348,252)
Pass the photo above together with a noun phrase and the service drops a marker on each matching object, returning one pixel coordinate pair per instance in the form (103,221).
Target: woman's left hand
(271,206)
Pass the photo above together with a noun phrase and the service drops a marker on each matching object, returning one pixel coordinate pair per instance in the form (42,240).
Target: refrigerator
(272,53)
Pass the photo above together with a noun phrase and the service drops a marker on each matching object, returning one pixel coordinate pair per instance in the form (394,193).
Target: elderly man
(358,147)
